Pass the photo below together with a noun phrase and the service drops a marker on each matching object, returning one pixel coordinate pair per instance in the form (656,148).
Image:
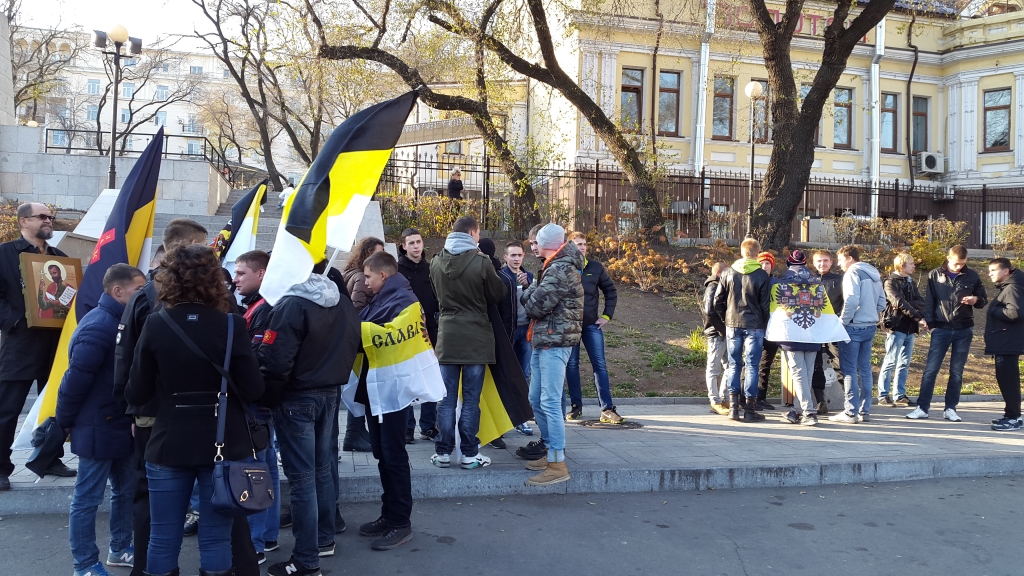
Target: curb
(692,400)
(504,482)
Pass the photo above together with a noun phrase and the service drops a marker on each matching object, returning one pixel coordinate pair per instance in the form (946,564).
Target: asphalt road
(937,527)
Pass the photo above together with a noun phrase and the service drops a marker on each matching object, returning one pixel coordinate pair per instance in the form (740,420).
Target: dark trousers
(829,353)
(768,355)
(141,507)
(388,441)
(12,399)
(1008,377)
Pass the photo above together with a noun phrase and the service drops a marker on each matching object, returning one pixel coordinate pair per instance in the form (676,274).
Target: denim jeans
(717,387)
(898,350)
(387,438)
(593,339)
(265,526)
(941,341)
(855,362)
(305,421)
(170,489)
(523,349)
(90,485)
(745,346)
(471,377)
(428,417)
(547,372)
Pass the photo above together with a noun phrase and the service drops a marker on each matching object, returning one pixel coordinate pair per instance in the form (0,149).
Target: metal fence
(706,205)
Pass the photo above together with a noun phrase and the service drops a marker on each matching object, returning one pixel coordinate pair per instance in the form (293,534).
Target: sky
(145,19)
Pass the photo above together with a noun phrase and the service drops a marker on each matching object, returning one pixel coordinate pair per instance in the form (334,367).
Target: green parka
(464,284)
(555,300)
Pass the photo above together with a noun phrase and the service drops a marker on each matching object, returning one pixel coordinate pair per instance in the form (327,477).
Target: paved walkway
(680,447)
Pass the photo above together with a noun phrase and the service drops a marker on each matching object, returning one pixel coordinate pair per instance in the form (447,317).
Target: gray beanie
(551,237)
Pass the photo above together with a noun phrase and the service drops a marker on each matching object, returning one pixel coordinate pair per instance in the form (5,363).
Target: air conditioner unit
(930,163)
(944,194)
(682,207)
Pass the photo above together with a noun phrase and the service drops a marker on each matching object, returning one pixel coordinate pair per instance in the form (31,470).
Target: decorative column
(1018,120)
(609,87)
(953,127)
(588,83)
(969,126)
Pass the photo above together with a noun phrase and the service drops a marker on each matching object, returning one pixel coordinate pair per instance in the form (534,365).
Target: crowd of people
(143,398)
(820,317)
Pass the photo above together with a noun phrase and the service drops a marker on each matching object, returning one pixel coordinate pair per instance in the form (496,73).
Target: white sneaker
(951,415)
(441,460)
(843,418)
(917,414)
(478,461)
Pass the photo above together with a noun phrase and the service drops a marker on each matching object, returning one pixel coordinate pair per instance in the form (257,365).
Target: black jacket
(903,303)
(942,307)
(455,189)
(418,275)
(515,291)
(1004,325)
(714,325)
(833,284)
(139,307)
(186,385)
(257,318)
(308,346)
(506,306)
(25,354)
(742,299)
(595,278)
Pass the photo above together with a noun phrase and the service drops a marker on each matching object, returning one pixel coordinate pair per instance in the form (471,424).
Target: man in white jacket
(863,300)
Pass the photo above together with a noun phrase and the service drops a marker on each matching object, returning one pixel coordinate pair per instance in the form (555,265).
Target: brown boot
(722,409)
(554,473)
(538,464)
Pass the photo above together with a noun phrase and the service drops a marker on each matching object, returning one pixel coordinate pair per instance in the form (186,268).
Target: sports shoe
(917,414)
(392,539)
(576,413)
(410,436)
(793,417)
(374,529)
(902,401)
(326,550)
(843,418)
(524,429)
(292,568)
(611,416)
(721,409)
(533,450)
(864,417)
(95,570)
(471,462)
(441,460)
(122,558)
(886,401)
(261,557)
(763,405)
(809,420)
(429,434)
(823,408)
(270,545)
(1007,424)
(192,523)
(498,443)
(951,415)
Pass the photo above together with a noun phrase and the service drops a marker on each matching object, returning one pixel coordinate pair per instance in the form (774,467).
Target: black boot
(734,407)
(749,412)
(171,573)
(228,572)
(355,431)
(819,400)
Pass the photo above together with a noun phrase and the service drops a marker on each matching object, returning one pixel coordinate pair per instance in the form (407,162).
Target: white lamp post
(754,91)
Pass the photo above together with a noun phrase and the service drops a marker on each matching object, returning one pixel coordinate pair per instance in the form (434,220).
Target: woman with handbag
(187,354)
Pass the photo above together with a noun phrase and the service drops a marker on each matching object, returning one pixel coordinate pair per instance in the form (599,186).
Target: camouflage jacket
(554,301)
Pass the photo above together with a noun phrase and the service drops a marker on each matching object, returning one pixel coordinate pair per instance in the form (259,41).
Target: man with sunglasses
(25,355)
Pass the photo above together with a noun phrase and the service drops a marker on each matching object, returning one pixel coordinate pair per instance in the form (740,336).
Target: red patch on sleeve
(269,336)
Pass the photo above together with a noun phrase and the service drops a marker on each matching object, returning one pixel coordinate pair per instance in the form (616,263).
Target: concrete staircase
(269,220)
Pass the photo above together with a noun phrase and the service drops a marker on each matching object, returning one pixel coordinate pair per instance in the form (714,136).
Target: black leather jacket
(713,323)
(942,302)
(903,303)
(742,299)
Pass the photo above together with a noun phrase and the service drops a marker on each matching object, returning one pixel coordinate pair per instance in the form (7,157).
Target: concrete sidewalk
(680,447)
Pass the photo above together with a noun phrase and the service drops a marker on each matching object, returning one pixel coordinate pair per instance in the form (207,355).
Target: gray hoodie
(863,295)
(318,289)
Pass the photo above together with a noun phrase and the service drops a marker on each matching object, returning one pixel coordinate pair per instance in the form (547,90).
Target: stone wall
(7,113)
(186,187)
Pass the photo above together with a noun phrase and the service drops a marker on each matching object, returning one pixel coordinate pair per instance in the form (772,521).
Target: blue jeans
(523,349)
(898,349)
(855,363)
(547,372)
(428,417)
(745,346)
(305,422)
(942,340)
(169,490)
(593,339)
(471,376)
(89,487)
(265,526)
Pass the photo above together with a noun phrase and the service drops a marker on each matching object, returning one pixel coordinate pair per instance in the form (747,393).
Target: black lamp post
(118,35)
(753,90)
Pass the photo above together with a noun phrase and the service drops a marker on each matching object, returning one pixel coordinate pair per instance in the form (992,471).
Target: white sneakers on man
(951,415)
(917,414)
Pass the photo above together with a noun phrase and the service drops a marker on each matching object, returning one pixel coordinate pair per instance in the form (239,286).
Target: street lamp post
(753,90)
(119,36)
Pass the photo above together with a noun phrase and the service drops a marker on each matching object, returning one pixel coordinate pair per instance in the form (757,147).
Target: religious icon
(51,283)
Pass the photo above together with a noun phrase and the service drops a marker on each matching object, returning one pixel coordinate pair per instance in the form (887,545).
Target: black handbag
(239,488)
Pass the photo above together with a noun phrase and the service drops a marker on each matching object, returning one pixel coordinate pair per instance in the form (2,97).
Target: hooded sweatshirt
(863,295)
(311,340)
(743,294)
(465,282)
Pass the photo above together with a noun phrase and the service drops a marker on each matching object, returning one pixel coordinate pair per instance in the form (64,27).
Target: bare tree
(229,126)
(38,58)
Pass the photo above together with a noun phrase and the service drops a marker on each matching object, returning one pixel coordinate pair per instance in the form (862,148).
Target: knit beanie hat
(796,258)
(486,246)
(766,257)
(551,237)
